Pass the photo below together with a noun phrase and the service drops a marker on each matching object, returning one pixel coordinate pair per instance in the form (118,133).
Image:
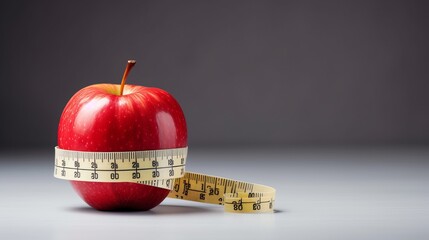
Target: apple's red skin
(97,119)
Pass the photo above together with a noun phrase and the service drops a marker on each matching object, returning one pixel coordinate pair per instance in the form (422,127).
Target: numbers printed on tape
(150,167)
(164,169)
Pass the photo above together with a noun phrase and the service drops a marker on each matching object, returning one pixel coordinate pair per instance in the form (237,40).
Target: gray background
(266,73)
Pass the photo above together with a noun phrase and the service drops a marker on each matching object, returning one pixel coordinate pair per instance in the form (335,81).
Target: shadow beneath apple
(163,209)
(159,210)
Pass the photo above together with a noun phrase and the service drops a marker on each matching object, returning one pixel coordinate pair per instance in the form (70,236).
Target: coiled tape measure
(164,169)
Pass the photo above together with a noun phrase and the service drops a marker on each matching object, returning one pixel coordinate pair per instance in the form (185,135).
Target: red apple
(109,117)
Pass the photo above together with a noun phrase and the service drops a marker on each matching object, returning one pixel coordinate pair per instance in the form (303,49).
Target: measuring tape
(163,169)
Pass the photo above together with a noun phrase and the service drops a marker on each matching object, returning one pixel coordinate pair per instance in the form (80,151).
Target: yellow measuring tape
(164,169)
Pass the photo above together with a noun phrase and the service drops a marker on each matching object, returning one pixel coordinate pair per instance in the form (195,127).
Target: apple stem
(130,65)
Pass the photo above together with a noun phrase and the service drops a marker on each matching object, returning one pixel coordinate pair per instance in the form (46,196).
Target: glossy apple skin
(97,119)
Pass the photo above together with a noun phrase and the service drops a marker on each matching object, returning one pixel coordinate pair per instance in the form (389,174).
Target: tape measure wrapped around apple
(124,147)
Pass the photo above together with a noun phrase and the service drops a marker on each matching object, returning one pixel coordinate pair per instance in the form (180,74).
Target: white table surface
(321,194)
